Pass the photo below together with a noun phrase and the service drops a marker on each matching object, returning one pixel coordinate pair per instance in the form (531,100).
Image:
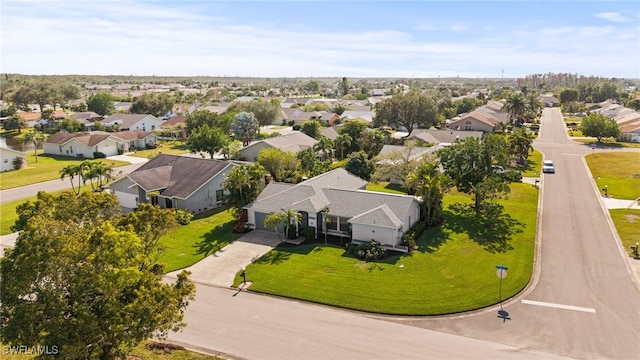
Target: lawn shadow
(215,239)
(494,236)
(434,236)
(274,257)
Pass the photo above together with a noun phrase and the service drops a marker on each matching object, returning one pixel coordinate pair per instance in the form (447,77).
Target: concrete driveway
(221,267)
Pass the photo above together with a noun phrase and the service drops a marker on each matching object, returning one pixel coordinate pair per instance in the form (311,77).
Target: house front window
(332,222)
(219,196)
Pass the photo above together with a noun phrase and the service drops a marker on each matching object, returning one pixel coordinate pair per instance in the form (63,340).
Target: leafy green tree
(15,122)
(520,144)
(280,164)
(410,110)
(430,184)
(310,164)
(243,185)
(206,117)
(360,165)
(354,129)
(150,223)
(568,95)
(266,112)
(245,127)
(599,126)
(398,164)
(342,142)
(76,280)
(312,87)
(71,125)
(515,106)
(634,104)
(231,150)
(209,140)
(469,163)
(11,110)
(156,104)
(371,142)
(344,87)
(36,139)
(101,104)
(339,109)
(311,128)
(45,92)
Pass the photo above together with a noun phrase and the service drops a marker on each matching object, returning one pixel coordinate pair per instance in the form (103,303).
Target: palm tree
(324,145)
(429,183)
(99,171)
(515,106)
(343,141)
(36,138)
(520,143)
(288,218)
(72,171)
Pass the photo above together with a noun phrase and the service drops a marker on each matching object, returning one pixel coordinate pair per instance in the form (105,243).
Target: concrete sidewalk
(221,267)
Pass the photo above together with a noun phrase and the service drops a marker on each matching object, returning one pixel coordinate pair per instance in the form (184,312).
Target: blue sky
(330,38)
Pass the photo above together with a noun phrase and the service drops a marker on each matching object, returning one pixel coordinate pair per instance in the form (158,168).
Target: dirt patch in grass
(631,217)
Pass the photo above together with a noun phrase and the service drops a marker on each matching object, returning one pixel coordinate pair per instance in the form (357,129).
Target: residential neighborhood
(266,194)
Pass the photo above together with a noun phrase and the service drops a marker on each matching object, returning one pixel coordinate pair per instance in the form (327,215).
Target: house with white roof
(292,142)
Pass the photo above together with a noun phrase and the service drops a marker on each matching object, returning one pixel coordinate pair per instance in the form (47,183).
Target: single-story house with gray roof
(444,137)
(293,142)
(181,182)
(336,203)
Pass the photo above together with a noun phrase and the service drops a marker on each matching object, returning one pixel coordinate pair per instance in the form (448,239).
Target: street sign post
(501,273)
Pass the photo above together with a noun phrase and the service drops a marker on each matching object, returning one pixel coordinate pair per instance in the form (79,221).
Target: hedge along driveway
(452,271)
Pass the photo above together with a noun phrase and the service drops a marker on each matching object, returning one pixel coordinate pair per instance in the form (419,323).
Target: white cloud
(611,16)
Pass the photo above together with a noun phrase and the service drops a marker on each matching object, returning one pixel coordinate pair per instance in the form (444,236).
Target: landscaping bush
(409,238)
(513,175)
(296,127)
(367,251)
(291,123)
(534,127)
(17,163)
(309,234)
(97,155)
(151,146)
(120,151)
(182,217)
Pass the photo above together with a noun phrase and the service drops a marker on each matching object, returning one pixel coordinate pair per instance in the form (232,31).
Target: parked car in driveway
(548,166)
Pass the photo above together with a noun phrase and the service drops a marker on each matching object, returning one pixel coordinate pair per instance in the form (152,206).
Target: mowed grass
(47,168)
(606,143)
(620,171)
(453,270)
(386,187)
(533,167)
(206,234)
(173,147)
(627,222)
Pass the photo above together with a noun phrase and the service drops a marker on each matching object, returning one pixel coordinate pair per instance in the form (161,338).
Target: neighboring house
(180,182)
(476,120)
(629,123)
(548,100)
(299,117)
(88,116)
(293,142)
(444,137)
(386,155)
(336,204)
(7,157)
(365,116)
(144,122)
(330,132)
(85,145)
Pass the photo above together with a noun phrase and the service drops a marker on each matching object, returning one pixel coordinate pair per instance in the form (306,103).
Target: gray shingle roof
(381,216)
(179,176)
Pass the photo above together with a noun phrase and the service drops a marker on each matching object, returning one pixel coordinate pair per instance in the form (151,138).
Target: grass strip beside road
(452,271)
(627,223)
(619,171)
(47,168)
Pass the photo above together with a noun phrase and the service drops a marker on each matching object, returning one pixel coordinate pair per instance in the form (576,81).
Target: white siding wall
(108,147)
(385,236)
(250,154)
(6,159)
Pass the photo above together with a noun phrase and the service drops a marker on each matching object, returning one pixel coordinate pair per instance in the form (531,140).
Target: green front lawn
(620,171)
(206,234)
(533,167)
(172,147)
(386,187)
(47,167)
(627,222)
(606,143)
(452,271)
